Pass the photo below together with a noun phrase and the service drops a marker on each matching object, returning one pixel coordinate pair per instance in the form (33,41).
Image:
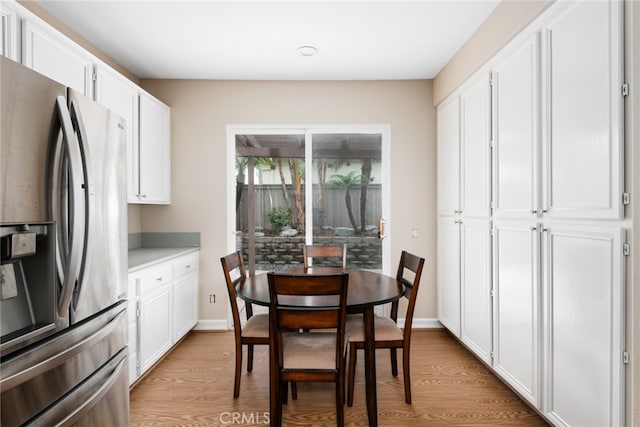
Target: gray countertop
(145,257)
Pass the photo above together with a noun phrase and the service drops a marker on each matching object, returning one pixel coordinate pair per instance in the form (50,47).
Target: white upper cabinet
(50,53)
(121,96)
(583,86)
(516,131)
(475,148)
(584,321)
(155,151)
(464,152)
(9,32)
(449,157)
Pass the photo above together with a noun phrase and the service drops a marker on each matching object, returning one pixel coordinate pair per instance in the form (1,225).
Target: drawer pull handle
(159,279)
(188,266)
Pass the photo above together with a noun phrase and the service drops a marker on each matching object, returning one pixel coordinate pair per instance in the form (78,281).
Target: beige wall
(506,21)
(200,112)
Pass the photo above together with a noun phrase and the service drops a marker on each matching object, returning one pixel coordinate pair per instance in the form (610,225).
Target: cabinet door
(475,189)
(156,335)
(9,33)
(516,134)
(476,329)
(584,167)
(449,157)
(121,96)
(133,311)
(516,307)
(53,55)
(449,274)
(155,173)
(584,294)
(185,304)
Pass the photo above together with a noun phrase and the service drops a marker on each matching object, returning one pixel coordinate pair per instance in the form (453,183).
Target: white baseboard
(221,325)
(211,325)
(422,323)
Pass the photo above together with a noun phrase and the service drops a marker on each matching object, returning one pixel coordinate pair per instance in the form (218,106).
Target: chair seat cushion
(257,326)
(309,350)
(386,329)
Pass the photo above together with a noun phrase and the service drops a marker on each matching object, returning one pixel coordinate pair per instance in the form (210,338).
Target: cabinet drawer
(154,278)
(185,265)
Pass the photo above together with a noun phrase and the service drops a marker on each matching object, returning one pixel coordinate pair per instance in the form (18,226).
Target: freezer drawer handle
(50,363)
(89,403)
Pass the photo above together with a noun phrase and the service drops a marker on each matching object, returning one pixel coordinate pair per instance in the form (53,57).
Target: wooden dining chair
(387,332)
(255,330)
(307,356)
(336,252)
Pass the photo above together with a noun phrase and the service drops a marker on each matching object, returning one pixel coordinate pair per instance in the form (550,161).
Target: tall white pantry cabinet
(531,271)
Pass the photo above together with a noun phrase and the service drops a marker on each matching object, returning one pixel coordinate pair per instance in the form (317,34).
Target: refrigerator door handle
(69,241)
(88,189)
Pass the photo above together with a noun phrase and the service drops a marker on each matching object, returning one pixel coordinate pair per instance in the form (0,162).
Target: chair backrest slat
(325,251)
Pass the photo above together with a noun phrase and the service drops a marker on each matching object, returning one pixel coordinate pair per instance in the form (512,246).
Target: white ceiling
(257,40)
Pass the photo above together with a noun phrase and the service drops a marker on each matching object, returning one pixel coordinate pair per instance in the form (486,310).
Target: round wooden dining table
(366,290)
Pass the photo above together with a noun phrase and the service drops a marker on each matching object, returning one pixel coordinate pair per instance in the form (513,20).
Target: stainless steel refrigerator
(63,265)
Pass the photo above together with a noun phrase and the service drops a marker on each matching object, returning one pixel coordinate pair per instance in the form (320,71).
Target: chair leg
(238,373)
(249,357)
(340,402)
(394,362)
(294,390)
(352,373)
(277,421)
(285,392)
(407,375)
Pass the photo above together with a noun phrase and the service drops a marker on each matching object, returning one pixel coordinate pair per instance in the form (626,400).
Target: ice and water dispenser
(28,285)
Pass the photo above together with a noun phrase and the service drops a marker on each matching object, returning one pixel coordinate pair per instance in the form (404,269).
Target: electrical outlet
(212,298)
(414,233)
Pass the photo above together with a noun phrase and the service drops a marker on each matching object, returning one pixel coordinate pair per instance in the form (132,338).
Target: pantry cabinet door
(475,148)
(449,157)
(517,307)
(583,142)
(516,132)
(584,317)
(476,328)
(449,274)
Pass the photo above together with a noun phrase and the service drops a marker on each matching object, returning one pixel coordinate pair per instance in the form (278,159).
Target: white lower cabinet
(132,312)
(584,370)
(475,273)
(185,303)
(517,295)
(155,325)
(464,281)
(165,300)
(449,273)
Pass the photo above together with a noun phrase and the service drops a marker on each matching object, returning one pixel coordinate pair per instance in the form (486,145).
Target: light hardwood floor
(193,386)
